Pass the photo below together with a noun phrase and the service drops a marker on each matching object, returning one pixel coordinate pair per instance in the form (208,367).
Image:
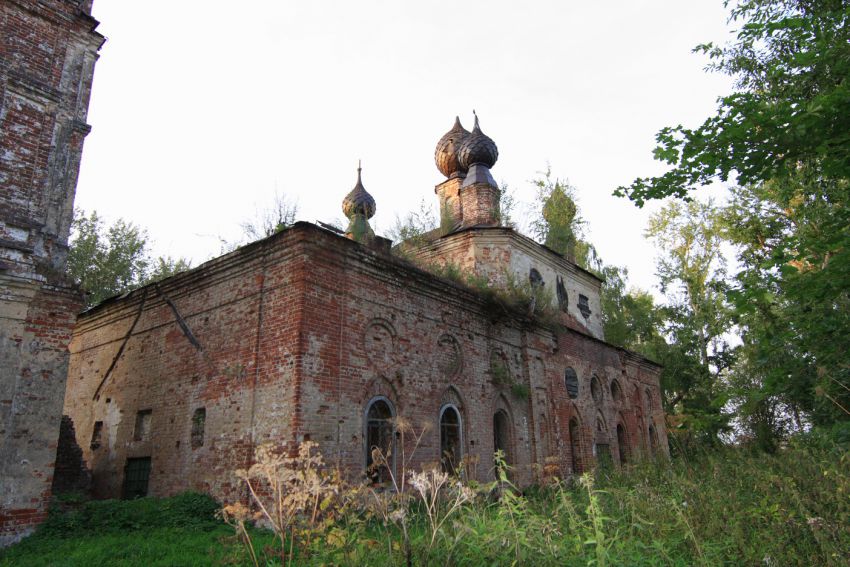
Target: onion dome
(358,201)
(477,148)
(445,155)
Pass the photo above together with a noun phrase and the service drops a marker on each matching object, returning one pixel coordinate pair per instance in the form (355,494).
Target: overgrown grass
(727,507)
(182,530)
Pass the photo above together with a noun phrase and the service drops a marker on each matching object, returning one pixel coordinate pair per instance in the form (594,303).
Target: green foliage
(188,510)
(692,273)
(724,507)
(630,318)
(412,228)
(506,215)
(271,219)
(792,104)
(792,301)
(107,261)
(182,530)
(558,224)
(783,136)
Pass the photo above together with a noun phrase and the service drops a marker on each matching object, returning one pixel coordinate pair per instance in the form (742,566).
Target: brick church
(324,335)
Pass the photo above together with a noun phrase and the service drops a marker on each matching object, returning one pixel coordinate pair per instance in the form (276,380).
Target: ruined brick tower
(48,49)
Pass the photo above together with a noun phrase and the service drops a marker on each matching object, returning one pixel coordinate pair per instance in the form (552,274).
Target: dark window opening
(137,473)
(501,436)
(596,390)
(583,306)
(199,421)
(622,445)
(648,400)
(96,434)
(450,441)
(143,425)
(574,447)
(616,392)
(535,279)
(379,441)
(571,382)
(603,456)
(653,440)
(563,297)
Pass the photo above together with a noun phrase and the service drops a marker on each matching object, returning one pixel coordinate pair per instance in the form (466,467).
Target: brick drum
(48,49)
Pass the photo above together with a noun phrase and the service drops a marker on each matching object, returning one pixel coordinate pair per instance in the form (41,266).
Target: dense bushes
(190,510)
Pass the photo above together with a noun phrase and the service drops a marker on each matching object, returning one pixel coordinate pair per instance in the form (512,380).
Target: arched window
(379,440)
(616,392)
(596,390)
(648,400)
(622,443)
(502,434)
(451,447)
(574,446)
(653,440)
(571,382)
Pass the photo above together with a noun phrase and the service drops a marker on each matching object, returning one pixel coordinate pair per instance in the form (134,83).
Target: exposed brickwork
(299,332)
(47,53)
(480,204)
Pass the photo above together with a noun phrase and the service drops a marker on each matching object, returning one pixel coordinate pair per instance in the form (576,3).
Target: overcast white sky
(200,109)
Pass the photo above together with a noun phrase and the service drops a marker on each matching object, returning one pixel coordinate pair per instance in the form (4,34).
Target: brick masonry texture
(48,49)
(295,335)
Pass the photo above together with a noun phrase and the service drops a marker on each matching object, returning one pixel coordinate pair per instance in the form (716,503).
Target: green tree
(793,296)
(791,105)
(691,270)
(110,260)
(558,224)
(630,318)
(784,136)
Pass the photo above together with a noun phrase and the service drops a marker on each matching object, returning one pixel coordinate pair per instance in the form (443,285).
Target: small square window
(143,425)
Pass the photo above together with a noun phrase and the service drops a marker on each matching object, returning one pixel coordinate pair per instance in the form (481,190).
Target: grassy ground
(729,507)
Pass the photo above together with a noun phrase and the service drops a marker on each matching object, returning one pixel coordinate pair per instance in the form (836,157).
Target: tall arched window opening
(379,440)
(451,448)
(574,447)
(501,435)
(653,440)
(622,445)
(571,382)
(616,392)
(596,390)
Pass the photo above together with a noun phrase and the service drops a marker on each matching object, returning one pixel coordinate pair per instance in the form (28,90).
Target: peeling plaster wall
(494,253)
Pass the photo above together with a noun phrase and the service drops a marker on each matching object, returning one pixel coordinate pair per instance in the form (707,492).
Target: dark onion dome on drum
(445,155)
(358,201)
(477,148)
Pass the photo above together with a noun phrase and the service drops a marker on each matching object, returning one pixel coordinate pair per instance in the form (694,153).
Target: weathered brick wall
(300,332)
(480,204)
(228,304)
(47,53)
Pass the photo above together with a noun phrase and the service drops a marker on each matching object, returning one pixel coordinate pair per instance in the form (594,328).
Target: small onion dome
(358,201)
(477,148)
(445,155)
